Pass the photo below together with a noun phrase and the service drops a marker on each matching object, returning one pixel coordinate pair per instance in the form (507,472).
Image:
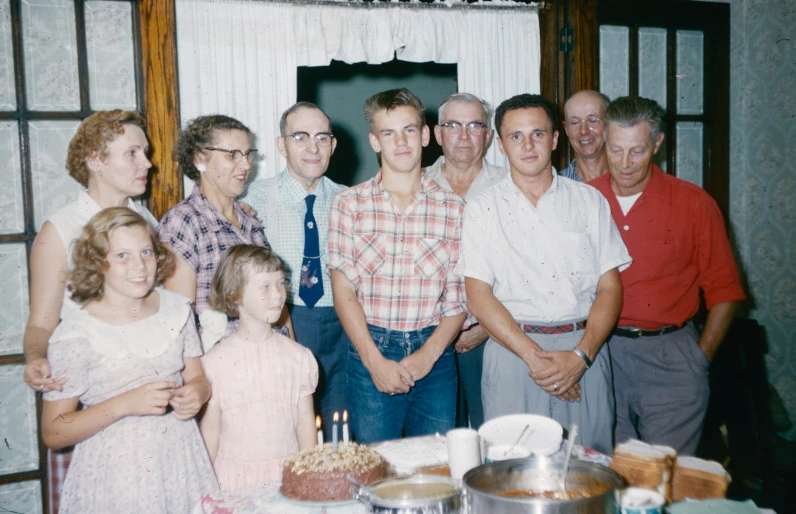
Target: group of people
(417,301)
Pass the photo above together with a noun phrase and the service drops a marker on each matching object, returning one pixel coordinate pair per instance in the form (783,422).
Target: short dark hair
(629,111)
(295,107)
(231,275)
(198,134)
(391,99)
(525,101)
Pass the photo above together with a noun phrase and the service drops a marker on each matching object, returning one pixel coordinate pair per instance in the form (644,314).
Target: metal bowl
(418,494)
(483,485)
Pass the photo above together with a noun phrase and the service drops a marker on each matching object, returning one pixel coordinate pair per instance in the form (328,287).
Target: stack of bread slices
(659,468)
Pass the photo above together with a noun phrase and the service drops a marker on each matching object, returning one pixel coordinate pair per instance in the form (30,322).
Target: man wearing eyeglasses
(464,135)
(294,209)
(584,123)
(540,257)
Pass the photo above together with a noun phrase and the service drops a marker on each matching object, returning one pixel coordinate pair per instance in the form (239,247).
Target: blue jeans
(429,407)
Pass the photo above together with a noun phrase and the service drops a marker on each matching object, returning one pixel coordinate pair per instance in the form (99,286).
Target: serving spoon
(519,439)
(573,432)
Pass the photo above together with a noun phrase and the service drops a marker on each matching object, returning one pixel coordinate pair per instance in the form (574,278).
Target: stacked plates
(543,437)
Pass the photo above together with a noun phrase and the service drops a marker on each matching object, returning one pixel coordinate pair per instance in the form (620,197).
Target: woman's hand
(37,376)
(149,399)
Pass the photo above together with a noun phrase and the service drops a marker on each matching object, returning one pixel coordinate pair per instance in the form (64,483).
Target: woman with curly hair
(130,352)
(214,151)
(108,156)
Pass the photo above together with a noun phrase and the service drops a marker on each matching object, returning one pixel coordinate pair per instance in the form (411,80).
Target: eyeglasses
(474,127)
(592,122)
(236,155)
(323,139)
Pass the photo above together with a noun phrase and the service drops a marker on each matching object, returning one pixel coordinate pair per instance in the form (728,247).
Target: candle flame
(318,422)
(336,416)
(345,416)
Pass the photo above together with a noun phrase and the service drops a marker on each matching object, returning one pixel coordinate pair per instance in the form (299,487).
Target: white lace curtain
(239,57)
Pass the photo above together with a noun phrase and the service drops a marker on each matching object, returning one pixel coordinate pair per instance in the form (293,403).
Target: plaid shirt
(200,234)
(286,235)
(401,265)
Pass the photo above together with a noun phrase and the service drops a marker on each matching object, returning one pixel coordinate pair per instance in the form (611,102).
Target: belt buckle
(638,332)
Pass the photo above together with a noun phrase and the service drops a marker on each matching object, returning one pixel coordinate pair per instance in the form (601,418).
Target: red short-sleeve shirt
(675,234)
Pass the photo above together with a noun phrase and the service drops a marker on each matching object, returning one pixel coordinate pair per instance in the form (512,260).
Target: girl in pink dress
(261,409)
(131,353)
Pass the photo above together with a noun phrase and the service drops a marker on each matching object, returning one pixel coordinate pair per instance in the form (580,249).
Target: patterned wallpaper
(763,175)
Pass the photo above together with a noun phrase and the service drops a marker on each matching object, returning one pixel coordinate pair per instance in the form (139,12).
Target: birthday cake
(320,474)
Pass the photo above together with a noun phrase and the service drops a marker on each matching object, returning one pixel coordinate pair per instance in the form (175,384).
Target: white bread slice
(642,451)
(699,479)
(645,465)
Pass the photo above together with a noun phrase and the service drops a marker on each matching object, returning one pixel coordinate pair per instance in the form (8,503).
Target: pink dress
(257,387)
(139,463)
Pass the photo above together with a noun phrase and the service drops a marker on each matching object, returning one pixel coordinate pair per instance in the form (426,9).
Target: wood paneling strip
(161,100)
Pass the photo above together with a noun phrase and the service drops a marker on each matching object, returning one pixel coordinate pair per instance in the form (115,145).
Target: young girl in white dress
(261,410)
(132,357)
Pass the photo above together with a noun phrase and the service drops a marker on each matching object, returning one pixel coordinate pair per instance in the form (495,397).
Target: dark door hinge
(566,39)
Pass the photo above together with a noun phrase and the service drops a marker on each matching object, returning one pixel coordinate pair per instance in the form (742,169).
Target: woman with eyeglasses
(215,152)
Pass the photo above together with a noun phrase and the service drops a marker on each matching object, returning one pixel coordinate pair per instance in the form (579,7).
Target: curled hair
(198,134)
(90,252)
(389,100)
(92,138)
(466,98)
(295,107)
(232,272)
(629,111)
(526,101)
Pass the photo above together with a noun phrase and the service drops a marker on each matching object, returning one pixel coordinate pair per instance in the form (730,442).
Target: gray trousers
(506,388)
(662,389)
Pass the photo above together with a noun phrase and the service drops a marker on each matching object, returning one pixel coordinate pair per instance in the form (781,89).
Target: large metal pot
(418,494)
(482,485)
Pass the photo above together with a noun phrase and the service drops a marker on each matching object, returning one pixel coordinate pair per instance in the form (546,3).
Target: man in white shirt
(294,209)
(464,134)
(540,257)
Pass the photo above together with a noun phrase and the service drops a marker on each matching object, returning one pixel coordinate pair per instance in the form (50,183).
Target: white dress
(140,463)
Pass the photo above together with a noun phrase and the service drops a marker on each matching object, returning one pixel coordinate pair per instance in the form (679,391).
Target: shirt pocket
(431,257)
(370,252)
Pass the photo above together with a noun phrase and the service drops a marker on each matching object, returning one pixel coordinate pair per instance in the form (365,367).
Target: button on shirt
(286,236)
(200,234)
(400,264)
(543,262)
(486,178)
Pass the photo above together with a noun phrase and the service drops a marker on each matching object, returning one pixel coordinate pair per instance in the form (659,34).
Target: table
(415,452)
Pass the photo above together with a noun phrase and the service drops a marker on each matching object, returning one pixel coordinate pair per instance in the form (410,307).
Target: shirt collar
(515,190)
(211,214)
(296,190)
(427,184)
(656,186)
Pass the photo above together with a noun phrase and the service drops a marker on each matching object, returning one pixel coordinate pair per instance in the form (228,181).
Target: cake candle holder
(345,429)
(320,432)
(334,430)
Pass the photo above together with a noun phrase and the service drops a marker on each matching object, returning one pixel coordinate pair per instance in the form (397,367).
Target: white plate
(543,436)
(307,503)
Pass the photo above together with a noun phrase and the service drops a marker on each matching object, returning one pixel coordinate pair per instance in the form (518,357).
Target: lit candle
(320,432)
(334,430)
(345,428)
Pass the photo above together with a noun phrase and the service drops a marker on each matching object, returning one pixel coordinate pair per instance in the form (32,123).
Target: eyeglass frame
(313,136)
(470,130)
(587,121)
(250,155)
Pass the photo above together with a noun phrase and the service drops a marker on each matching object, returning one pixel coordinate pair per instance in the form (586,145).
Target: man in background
(584,123)
(464,133)
(294,209)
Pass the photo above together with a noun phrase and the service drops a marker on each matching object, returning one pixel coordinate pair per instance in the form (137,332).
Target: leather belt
(636,333)
(560,329)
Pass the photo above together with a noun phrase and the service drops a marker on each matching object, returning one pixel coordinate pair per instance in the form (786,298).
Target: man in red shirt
(675,234)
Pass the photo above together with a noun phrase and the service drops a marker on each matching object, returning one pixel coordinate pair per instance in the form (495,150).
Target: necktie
(311,286)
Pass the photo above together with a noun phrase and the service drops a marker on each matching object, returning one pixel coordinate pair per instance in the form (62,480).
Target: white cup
(464,451)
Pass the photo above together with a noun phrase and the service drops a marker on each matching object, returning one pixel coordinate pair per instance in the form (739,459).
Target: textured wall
(763,174)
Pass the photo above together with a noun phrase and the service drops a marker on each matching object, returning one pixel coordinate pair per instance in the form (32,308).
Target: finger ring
(392,394)
(555,387)
(41,387)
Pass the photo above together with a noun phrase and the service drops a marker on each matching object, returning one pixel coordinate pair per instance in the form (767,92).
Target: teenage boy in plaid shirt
(393,244)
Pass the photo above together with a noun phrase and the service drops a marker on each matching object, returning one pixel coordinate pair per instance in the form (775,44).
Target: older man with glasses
(294,209)
(464,135)
(584,123)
